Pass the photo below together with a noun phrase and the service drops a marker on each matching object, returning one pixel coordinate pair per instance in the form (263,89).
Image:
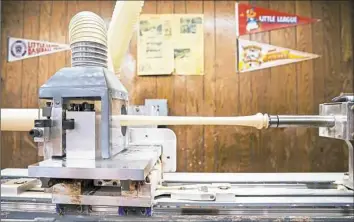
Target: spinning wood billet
(23,119)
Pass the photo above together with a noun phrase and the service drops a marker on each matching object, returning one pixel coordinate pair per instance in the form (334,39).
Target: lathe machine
(104,162)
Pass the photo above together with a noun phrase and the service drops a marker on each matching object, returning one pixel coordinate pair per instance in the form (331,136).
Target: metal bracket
(156,136)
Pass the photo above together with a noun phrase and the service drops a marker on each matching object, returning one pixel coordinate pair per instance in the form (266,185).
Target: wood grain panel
(58,33)
(247,137)
(163,92)
(29,84)
(162,83)
(227,86)
(144,87)
(283,81)
(209,84)
(347,31)
(347,64)
(304,86)
(44,35)
(6,137)
(179,104)
(194,105)
(92,6)
(13,11)
(318,164)
(332,78)
(261,93)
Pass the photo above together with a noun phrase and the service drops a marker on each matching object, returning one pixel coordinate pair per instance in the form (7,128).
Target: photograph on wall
(254,56)
(251,19)
(171,44)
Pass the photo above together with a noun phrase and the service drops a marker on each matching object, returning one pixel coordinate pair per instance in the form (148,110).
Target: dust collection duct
(88,40)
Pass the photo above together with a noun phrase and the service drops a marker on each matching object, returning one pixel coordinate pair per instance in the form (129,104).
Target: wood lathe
(98,160)
(104,163)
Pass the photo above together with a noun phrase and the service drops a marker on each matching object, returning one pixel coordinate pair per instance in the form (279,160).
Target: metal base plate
(133,163)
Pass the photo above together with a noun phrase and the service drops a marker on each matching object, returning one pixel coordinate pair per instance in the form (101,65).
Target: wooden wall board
(29,81)
(209,91)
(178,105)
(305,83)
(12,25)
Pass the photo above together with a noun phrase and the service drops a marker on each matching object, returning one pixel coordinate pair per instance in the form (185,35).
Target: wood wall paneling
(12,25)
(262,98)
(247,137)
(145,87)
(283,82)
(319,83)
(304,85)
(332,63)
(29,81)
(179,105)
(194,105)
(227,86)
(209,106)
(290,89)
(44,35)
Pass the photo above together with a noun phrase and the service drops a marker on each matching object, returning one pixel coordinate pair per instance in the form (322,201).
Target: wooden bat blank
(23,120)
(18,119)
(258,121)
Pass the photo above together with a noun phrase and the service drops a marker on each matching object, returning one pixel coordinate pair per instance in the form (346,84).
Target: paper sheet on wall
(189,45)
(171,44)
(155,49)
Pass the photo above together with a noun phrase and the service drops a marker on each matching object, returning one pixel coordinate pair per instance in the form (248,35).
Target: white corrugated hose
(88,40)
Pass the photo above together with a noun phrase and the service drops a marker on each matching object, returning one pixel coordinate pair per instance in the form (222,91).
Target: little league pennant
(251,19)
(254,56)
(19,49)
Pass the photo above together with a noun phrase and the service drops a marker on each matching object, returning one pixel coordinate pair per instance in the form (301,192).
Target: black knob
(35,133)
(49,104)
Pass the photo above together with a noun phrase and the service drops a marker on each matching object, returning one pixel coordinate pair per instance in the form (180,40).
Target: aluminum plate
(133,163)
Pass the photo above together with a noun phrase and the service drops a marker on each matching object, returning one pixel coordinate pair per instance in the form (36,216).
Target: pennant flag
(254,56)
(19,49)
(251,19)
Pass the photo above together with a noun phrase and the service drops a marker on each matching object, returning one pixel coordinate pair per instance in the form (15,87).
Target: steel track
(29,211)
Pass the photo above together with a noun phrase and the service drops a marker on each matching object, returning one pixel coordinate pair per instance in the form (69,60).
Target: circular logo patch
(18,49)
